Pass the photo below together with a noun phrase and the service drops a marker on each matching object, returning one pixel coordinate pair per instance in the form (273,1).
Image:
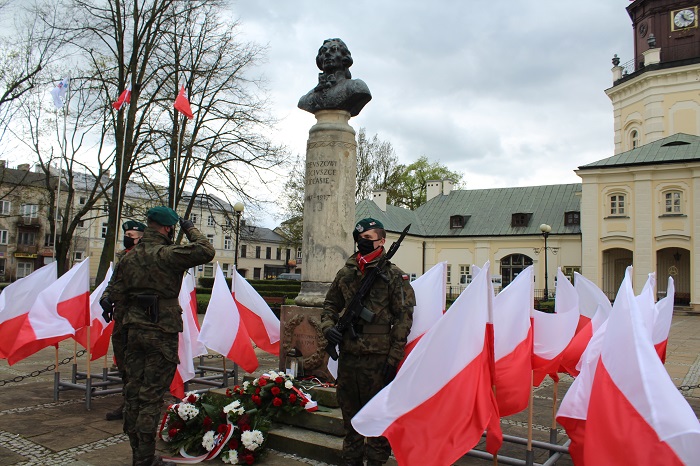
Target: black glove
(333,335)
(186,224)
(107,309)
(388,373)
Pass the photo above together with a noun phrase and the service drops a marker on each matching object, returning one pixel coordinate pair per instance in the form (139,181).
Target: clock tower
(657,93)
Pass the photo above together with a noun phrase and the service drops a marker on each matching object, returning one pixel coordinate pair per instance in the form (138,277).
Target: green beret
(366,224)
(163,216)
(133,225)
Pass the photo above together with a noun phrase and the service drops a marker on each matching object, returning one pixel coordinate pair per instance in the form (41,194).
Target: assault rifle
(356,310)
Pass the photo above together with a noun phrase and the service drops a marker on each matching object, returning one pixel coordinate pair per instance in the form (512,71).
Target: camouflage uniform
(155,266)
(117,333)
(361,362)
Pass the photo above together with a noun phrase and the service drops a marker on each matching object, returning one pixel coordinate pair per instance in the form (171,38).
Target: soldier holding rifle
(368,312)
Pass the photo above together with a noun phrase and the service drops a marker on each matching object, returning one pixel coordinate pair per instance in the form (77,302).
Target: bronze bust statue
(336,90)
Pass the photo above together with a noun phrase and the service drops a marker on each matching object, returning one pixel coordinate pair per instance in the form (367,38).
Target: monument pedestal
(300,328)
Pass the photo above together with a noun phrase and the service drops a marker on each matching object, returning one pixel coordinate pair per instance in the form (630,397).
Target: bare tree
(376,161)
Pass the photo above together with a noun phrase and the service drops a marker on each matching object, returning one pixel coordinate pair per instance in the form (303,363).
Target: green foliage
(406,186)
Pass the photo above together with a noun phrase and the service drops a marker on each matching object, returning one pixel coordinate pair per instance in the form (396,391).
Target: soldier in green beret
(150,278)
(369,363)
(113,310)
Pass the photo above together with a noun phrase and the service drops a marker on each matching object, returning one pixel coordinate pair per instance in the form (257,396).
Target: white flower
(272,374)
(255,381)
(230,457)
(252,439)
(208,440)
(234,407)
(288,385)
(187,411)
(246,384)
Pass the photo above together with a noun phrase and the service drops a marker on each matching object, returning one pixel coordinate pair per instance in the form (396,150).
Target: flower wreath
(312,361)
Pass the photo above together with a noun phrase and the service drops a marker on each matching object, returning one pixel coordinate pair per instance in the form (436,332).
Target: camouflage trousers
(118,341)
(359,379)
(150,361)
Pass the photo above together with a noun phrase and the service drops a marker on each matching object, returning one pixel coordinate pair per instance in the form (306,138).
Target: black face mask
(365,246)
(129,242)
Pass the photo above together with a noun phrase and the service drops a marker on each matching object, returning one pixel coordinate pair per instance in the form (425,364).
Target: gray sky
(511,93)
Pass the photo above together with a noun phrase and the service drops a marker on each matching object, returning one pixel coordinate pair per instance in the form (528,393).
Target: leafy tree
(376,161)
(406,186)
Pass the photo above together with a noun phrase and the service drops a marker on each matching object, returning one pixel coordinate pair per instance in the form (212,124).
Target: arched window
(512,265)
(672,202)
(634,139)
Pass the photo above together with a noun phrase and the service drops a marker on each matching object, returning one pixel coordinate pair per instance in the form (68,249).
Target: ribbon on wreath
(309,404)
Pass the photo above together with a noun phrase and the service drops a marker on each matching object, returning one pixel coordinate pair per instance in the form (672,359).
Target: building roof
(677,148)
(488,212)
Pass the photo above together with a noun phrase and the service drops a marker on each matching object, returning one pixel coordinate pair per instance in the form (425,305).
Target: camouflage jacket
(156,266)
(391,300)
(113,286)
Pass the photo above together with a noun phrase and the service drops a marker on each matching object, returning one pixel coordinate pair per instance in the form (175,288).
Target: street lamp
(545,229)
(237,210)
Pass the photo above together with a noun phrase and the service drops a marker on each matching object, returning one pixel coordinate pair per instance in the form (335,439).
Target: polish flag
(182,104)
(188,345)
(223,330)
(437,407)
(100,330)
(631,389)
(58,93)
(262,324)
(663,313)
(124,99)
(512,308)
(594,309)
(16,300)
(431,293)
(553,332)
(58,311)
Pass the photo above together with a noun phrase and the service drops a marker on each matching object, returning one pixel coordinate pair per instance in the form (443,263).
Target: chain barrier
(687,388)
(38,372)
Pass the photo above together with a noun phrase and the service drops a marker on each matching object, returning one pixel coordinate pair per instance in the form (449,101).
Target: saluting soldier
(369,363)
(151,277)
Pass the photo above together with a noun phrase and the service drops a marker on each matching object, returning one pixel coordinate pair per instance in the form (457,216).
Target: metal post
(546,279)
(238,234)
(238,210)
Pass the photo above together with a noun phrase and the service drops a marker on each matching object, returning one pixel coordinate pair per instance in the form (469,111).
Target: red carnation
(292,398)
(207,422)
(277,401)
(172,432)
(249,459)
(228,392)
(256,399)
(279,380)
(262,382)
(257,391)
(233,444)
(192,398)
(244,427)
(275,390)
(221,429)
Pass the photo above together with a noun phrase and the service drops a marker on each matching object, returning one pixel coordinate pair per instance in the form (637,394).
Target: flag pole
(553,431)
(60,167)
(119,194)
(177,160)
(529,454)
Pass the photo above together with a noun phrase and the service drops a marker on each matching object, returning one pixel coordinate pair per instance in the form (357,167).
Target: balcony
(27,251)
(31,222)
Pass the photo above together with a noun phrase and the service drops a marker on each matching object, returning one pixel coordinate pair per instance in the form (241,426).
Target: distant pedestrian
(151,278)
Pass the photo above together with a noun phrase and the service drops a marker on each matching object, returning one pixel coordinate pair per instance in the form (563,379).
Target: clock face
(684,18)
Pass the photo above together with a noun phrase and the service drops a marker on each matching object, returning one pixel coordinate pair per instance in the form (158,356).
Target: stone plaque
(301,329)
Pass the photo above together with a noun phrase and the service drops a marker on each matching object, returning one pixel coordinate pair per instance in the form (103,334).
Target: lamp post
(545,229)
(237,210)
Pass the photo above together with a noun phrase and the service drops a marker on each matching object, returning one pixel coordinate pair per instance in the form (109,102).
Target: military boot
(117,414)
(374,463)
(158,461)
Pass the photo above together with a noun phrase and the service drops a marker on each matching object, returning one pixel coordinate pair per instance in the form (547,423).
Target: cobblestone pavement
(36,430)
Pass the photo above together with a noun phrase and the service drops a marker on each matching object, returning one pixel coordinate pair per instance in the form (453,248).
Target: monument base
(301,329)
(312,294)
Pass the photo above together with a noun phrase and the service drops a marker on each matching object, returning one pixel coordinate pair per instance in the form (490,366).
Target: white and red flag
(431,294)
(553,332)
(189,347)
(594,309)
(16,300)
(512,308)
(262,324)
(182,104)
(635,413)
(58,93)
(223,329)
(57,312)
(663,313)
(438,407)
(124,99)
(100,330)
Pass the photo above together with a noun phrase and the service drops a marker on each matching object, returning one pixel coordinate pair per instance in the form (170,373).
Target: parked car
(289,276)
